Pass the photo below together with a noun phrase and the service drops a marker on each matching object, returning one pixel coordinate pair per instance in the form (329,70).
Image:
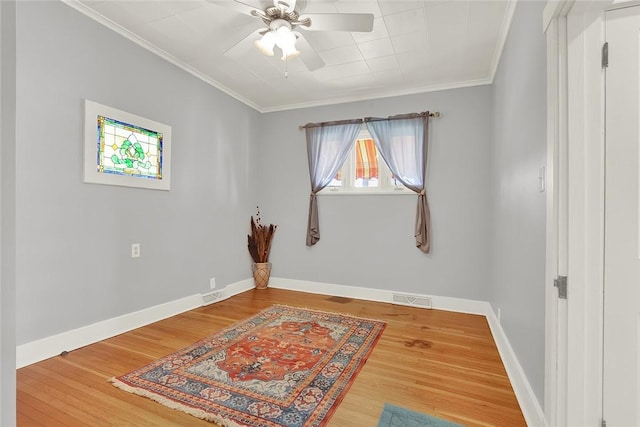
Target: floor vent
(413,300)
(212,297)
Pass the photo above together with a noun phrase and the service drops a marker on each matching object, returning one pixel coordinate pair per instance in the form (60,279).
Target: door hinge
(603,424)
(605,55)
(561,284)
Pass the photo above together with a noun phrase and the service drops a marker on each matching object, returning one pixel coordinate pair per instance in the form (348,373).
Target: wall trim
(529,404)
(45,348)
(554,24)
(84,9)
(389,94)
(504,33)
(379,295)
(227,292)
(36,351)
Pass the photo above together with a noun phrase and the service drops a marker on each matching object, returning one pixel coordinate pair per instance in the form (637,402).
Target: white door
(621,373)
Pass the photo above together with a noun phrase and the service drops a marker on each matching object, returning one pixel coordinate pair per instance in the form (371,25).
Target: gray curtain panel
(402,142)
(328,145)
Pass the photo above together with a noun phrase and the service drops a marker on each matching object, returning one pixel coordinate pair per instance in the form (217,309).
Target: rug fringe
(198,413)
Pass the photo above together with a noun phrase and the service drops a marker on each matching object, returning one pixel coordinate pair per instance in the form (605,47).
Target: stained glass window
(126,149)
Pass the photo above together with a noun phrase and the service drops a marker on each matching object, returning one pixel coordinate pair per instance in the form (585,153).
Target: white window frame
(348,168)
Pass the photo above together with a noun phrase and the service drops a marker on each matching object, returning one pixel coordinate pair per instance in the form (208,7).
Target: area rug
(395,416)
(285,366)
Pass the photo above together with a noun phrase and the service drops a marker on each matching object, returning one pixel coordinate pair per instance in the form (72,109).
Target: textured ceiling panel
(415,46)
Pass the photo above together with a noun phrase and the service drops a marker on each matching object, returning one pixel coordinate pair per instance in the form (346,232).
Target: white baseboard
(41,349)
(44,348)
(36,351)
(531,409)
(380,295)
(227,292)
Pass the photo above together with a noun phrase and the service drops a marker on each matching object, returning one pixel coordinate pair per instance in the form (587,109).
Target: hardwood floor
(441,363)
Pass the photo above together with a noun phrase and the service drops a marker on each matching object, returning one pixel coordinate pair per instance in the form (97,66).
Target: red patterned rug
(285,366)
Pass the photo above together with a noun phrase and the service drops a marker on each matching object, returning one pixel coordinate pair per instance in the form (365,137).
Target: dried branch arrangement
(259,241)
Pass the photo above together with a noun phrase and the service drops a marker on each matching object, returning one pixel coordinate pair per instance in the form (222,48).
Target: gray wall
(7,213)
(73,239)
(368,241)
(518,215)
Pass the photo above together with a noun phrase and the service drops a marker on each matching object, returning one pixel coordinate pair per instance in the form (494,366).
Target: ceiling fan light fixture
(287,55)
(286,41)
(284,18)
(266,43)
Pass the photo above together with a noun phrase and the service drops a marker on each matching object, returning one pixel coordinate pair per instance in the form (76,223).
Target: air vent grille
(212,297)
(414,300)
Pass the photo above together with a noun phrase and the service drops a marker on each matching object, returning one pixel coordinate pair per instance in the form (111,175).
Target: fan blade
(243,45)
(308,54)
(237,5)
(360,22)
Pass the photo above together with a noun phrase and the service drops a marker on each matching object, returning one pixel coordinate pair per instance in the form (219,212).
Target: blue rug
(395,416)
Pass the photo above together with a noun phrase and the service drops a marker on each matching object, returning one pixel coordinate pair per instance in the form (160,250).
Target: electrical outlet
(212,283)
(135,250)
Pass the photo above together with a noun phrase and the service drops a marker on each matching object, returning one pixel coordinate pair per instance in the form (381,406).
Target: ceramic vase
(261,273)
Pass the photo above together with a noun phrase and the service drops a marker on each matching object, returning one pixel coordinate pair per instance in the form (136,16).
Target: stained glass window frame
(142,159)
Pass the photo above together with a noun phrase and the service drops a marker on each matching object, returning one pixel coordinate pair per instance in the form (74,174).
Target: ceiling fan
(283,20)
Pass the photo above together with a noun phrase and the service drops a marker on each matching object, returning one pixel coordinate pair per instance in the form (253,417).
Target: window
(364,171)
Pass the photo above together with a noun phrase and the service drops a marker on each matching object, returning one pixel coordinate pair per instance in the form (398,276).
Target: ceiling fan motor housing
(277,23)
(278,13)
(282,11)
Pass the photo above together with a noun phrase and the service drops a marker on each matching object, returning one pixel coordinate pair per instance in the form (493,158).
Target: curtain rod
(435,114)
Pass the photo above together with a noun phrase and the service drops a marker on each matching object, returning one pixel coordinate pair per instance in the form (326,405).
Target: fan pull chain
(286,71)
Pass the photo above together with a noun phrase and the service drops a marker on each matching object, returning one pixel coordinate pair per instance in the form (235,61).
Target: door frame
(573,393)
(555,312)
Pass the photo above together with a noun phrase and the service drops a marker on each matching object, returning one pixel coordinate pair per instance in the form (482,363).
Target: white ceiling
(415,46)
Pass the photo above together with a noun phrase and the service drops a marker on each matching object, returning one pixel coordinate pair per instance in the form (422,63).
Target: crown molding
(504,33)
(91,13)
(87,11)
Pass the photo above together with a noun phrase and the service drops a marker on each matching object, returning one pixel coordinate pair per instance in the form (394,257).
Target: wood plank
(431,361)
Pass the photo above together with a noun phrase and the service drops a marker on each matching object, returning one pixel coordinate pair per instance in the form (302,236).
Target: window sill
(367,193)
